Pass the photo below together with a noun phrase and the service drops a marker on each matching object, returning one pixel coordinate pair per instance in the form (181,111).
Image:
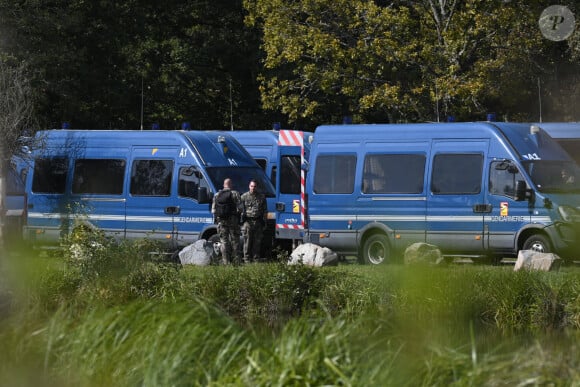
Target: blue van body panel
(558,130)
(480,221)
(14,205)
(166,216)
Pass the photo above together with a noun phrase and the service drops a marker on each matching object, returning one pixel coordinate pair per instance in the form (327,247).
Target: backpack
(225,205)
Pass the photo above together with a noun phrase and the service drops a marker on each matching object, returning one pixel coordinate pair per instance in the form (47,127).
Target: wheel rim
(377,253)
(538,247)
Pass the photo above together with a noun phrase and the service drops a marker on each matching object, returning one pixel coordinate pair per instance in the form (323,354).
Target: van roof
(424,130)
(209,147)
(255,137)
(521,136)
(561,130)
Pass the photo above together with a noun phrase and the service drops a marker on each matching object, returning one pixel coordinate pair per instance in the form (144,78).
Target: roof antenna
(231,107)
(540,98)
(141,126)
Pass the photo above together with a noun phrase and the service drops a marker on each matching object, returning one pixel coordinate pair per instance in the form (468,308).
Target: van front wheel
(537,243)
(376,250)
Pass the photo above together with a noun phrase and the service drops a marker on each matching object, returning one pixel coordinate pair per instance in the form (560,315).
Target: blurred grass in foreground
(118,317)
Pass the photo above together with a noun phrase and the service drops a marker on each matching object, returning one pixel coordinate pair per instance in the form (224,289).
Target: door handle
(482,208)
(172,210)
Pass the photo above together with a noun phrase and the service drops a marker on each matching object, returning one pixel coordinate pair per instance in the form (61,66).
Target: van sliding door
(456,201)
(97,187)
(393,190)
(151,202)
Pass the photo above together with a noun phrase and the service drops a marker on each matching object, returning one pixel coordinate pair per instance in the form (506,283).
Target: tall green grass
(118,316)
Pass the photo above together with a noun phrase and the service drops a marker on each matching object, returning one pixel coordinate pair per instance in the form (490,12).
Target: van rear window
(50,175)
(290,175)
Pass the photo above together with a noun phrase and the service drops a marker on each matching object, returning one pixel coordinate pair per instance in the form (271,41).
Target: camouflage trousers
(229,232)
(253,230)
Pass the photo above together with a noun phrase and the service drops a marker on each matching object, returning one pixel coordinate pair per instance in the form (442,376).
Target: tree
(326,58)
(16,116)
(96,62)
(398,60)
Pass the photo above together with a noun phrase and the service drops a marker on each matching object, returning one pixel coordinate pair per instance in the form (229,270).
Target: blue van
(281,153)
(567,134)
(482,190)
(133,184)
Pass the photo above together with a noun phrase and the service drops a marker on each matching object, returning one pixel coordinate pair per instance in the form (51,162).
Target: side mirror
(521,190)
(202,195)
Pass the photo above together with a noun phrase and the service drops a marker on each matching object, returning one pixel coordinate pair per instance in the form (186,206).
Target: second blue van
(282,154)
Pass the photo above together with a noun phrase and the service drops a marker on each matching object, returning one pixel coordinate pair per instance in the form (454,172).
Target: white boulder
(423,253)
(199,253)
(313,255)
(533,260)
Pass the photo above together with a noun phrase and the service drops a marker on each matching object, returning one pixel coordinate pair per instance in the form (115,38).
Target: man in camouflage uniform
(229,227)
(255,212)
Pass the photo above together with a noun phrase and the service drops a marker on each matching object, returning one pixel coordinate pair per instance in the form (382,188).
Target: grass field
(116,318)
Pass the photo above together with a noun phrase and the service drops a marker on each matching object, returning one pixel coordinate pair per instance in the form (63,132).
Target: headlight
(569,214)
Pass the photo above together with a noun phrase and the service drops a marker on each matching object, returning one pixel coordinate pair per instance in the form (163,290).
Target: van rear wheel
(538,243)
(376,250)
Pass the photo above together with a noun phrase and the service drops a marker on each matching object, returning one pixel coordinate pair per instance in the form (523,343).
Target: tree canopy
(247,63)
(401,60)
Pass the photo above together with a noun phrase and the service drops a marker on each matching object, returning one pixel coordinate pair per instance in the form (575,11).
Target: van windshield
(241,177)
(554,176)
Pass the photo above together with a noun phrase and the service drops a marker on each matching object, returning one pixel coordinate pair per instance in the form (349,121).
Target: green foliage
(97,269)
(405,61)
(147,343)
(268,294)
(96,64)
(130,320)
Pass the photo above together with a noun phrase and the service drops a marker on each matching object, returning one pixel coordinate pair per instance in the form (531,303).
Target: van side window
(393,174)
(151,177)
(455,174)
(571,147)
(98,176)
(50,175)
(502,179)
(290,175)
(188,185)
(262,163)
(334,174)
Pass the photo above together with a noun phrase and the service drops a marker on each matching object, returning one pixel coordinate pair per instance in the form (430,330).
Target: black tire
(538,243)
(376,250)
